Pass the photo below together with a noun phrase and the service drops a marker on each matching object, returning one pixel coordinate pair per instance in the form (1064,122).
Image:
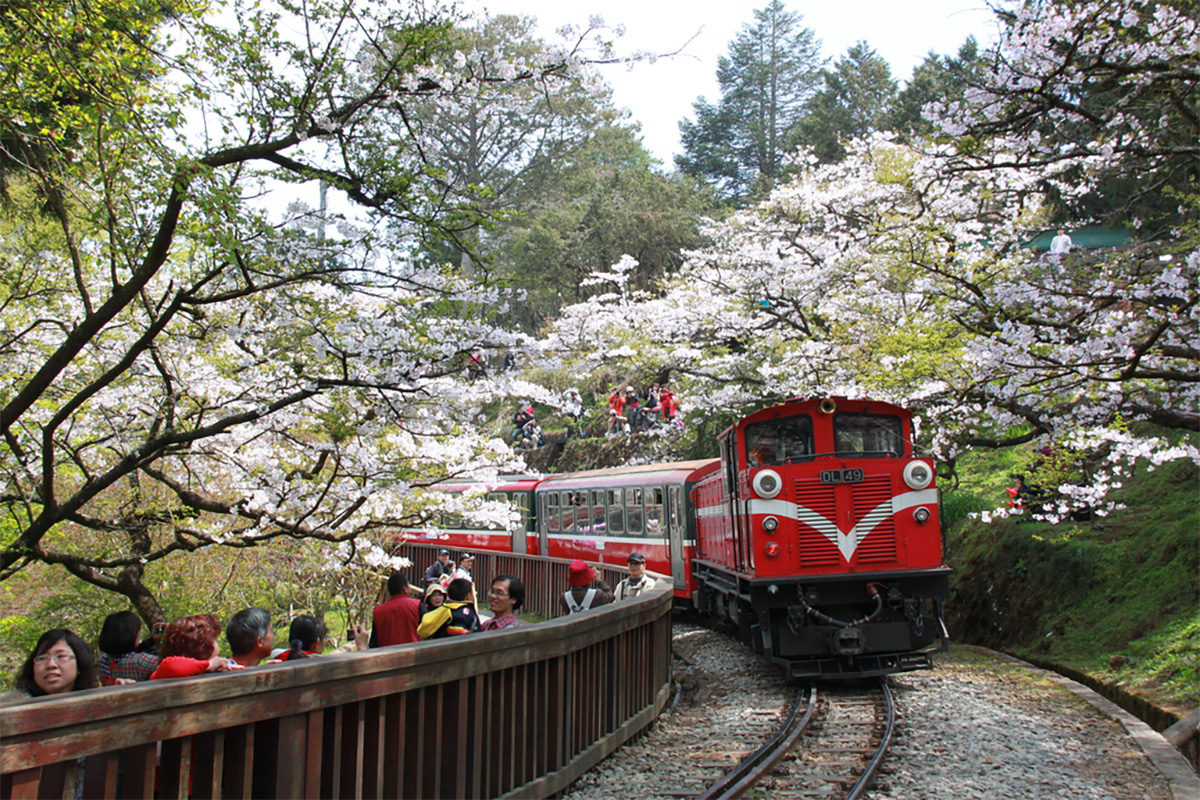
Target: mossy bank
(1114,599)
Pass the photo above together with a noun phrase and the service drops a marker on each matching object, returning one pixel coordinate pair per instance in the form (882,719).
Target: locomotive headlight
(921,515)
(771,523)
(767,483)
(918,475)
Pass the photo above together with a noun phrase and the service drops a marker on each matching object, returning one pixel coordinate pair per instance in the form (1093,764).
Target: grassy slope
(1116,598)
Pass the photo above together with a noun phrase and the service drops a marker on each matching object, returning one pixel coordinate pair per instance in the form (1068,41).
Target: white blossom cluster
(891,277)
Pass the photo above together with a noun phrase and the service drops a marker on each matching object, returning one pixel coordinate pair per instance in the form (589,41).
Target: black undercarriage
(832,626)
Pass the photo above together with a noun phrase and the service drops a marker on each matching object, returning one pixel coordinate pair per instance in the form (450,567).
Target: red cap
(581,574)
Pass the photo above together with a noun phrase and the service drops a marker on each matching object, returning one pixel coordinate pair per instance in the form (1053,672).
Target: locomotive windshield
(870,435)
(780,440)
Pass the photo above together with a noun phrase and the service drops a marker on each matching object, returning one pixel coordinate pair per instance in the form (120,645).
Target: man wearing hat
(438,568)
(586,591)
(638,581)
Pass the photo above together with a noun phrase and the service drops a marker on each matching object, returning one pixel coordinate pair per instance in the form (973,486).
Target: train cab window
(550,511)
(780,440)
(616,511)
(633,507)
(599,514)
(868,435)
(654,512)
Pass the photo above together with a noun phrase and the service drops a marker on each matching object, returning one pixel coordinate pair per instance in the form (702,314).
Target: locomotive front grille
(815,549)
(879,545)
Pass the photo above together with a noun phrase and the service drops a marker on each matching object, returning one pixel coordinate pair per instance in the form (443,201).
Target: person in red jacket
(616,412)
(397,619)
(190,647)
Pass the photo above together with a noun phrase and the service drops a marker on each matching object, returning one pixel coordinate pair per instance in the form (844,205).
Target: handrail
(521,712)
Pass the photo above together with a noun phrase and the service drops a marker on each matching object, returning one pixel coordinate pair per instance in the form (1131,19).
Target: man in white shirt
(1060,245)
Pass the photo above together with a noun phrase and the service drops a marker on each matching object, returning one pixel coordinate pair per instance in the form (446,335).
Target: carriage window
(496,497)
(778,441)
(598,512)
(874,435)
(575,511)
(654,512)
(550,511)
(633,504)
(521,501)
(616,511)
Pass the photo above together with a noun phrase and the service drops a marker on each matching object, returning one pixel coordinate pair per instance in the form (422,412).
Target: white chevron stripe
(845,542)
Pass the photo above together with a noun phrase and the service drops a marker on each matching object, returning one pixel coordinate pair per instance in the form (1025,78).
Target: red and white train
(816,534)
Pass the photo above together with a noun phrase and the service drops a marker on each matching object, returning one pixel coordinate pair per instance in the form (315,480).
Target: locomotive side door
(737,545)
(676,530)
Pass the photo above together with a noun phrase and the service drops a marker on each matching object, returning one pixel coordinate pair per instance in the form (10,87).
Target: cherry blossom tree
(904,273)
(1101,97)
(187,364)
(890,276)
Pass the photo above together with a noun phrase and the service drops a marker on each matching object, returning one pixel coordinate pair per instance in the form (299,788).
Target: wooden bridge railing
(519,713)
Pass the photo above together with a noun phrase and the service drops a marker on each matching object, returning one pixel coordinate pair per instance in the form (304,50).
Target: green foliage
(606,200)
(937,78)
(1115,598)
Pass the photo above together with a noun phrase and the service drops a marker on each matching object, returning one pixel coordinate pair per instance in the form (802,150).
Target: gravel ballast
(976,726)
(982,726)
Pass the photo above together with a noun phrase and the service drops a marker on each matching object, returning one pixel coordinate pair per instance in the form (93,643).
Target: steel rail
(750,769)
(889,727)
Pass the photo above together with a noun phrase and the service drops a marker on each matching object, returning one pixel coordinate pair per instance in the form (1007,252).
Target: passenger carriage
(604,515)
(459,535)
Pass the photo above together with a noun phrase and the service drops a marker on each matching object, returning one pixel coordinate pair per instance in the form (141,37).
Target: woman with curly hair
(190,647)
(60,662)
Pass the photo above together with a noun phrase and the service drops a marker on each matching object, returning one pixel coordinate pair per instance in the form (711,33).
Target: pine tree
(858,93)
(739,143)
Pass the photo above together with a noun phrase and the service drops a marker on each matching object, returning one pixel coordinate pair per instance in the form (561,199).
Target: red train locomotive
(816,534)
(819,539)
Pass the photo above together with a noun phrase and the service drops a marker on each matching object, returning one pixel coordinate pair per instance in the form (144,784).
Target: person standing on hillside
(1061,244)
(616,412)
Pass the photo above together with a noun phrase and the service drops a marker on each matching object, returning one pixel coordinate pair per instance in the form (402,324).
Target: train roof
(502,483)
(680,471)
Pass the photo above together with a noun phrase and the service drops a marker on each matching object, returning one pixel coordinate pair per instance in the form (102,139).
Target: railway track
(830,745)
(738,728)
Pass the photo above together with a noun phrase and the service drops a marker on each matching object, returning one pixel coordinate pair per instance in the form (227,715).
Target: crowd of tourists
(632,412)
(62,662)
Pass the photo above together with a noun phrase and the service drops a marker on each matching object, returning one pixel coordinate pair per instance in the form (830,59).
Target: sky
(660,94)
